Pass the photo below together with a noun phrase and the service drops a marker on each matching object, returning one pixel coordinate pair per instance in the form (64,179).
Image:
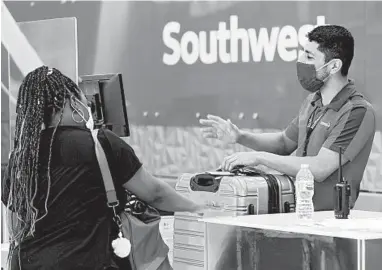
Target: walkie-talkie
(341,194)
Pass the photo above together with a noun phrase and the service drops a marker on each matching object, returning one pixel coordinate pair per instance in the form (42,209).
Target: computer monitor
(107,96)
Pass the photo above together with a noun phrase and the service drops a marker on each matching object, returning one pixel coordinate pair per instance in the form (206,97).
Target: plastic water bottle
(304,193)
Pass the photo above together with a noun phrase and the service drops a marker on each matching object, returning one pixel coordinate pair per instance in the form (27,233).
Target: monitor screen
(107,96)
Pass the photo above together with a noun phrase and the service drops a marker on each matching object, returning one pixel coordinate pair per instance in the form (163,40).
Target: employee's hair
(335,42)
(43,91)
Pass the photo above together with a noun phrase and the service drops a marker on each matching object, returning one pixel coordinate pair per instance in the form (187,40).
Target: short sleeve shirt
(347,123)
(78,229)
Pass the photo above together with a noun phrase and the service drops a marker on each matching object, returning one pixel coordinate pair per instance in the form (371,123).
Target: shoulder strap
(105,171)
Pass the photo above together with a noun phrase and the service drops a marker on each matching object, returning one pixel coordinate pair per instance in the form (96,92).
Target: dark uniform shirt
(78,230)
(347,122)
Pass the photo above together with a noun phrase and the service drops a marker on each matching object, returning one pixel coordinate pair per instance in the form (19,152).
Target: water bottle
(304,193)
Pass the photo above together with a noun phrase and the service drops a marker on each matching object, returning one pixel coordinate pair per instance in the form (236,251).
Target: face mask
(90,122)
(307,75)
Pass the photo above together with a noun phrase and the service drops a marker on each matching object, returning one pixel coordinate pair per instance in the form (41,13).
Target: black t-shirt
(78,230)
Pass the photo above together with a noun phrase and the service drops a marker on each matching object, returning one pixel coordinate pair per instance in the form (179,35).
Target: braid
(39,95)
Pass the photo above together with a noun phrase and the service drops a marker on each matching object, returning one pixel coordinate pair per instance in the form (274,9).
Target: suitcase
(230,195)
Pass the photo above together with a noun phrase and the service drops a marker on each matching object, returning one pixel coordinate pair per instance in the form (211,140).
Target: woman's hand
(200,209)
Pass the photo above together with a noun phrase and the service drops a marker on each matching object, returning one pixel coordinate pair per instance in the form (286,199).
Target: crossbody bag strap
(111,194)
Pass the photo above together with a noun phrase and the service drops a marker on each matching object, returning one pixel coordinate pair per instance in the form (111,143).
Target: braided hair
(43,92)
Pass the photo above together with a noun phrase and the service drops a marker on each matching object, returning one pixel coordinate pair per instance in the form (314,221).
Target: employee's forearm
(290,165)
(267,142)
(170,200)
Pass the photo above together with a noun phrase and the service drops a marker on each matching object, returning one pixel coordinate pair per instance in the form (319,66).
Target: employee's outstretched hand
(218,128)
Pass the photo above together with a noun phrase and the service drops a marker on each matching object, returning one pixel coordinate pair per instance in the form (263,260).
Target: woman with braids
(53,186)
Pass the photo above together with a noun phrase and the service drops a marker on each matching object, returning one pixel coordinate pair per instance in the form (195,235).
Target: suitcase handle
(247,170)
(205,182)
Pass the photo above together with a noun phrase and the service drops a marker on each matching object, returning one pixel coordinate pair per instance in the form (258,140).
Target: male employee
(334,115)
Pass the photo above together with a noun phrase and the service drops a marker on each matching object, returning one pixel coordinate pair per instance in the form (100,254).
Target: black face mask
(307,76)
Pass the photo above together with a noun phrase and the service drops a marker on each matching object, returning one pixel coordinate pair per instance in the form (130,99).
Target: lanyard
(310,127)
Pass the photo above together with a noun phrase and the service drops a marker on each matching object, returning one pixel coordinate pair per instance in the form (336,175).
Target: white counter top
(361,225)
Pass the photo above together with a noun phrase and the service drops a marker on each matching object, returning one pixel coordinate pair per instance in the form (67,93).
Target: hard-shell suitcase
(231,195)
